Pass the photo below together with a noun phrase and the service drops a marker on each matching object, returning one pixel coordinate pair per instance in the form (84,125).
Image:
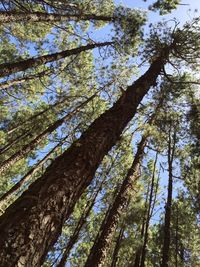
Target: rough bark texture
(10,68)
(26,149)
(82,221)
(17,16)
(32,224)
(103,240)
(168,207)
(5,198)
(117,248)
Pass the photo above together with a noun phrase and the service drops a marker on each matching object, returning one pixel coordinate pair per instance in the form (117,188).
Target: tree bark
(26,149)
(10,83)
(74,237)
(17,16)
(5,198)
(103,240)
(10,68)
(32,224)
(177,237)
(117,248)
(146,234)
(15,140)
(137,259)
(168,207)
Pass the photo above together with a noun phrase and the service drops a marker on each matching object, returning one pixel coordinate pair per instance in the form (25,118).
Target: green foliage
(105,73)
(164,6)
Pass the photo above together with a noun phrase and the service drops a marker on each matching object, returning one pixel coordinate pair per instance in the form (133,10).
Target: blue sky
(181,13)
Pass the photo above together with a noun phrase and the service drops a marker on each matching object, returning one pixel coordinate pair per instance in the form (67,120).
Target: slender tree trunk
(6,198)
(139,250)
(168,207)
(15,140)
(75,235)
(146,232)
(10,68)
(32,224)
(117,248)
(37,114)
(103,240)
(26,149)
(10,83)
(177,237)
(17,16)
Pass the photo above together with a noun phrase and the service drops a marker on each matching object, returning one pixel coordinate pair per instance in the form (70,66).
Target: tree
(32,224)
(103,240)
(171,152)
(10,68)
(82,149)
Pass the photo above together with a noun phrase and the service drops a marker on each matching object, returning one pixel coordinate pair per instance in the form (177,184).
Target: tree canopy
(99,134)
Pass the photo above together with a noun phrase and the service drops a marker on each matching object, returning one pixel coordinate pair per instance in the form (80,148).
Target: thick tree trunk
(17,16)
(103,240)
(32,224)
(10,68)
(146,231)
(168,207)
(26,149)
(117,248)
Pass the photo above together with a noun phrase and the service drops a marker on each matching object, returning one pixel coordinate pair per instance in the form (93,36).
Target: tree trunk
(17,16)
(177,237)
(10,68)
(146,234)
(74,237)
(37,140)
(168,207)
(37,114)
(5,198)
(15,140)
(32,224)
(139,250)
(117,248)
(10,83)
(103,240)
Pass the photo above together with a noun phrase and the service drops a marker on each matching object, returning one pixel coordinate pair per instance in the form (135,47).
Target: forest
(99,133)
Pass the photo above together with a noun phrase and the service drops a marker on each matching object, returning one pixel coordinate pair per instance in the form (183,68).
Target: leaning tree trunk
(20,80)
(26,149)
(15,140)
(168,207)
(17,16)
(10,68)
(73,239)
(37,114)
(103,240)
(32,224)
(7,196)
(117,248)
